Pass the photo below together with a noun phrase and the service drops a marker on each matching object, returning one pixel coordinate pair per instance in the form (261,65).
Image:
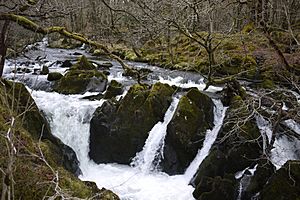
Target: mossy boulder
(115,88)
(81,81)
(83,64)
(54,76)
(284,184)
(240,148)
(217,188)
(120,129)
(186,131)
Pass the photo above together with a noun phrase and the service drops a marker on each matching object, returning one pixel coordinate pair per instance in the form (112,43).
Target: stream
(69,117)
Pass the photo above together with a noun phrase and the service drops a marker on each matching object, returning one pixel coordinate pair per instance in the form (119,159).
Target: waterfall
(210,137)
(149,158)
(69,118)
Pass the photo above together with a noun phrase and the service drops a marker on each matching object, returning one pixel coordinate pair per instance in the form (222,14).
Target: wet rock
(105,65)
(94,97)
(216,188)
(284,184)
(231,89)
(264,170)
(44,70)
(82,77)
(114,89)
(240,148)
(77,54)
(26,70)
(186,131)
(81,81)
(54,76)
(83,64)
(66,64)
(119,130)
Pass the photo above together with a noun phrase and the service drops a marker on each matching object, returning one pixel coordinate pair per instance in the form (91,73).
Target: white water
(69,118)
(210,137)
(154,145)
(265,129)
(284,148)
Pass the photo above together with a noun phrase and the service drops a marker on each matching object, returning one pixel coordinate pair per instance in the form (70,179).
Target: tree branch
(30,25)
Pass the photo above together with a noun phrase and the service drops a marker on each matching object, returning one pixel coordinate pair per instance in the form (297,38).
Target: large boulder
(284,184)
(81,81)
(240,147)
(82,77)
(186,131)
(119,130)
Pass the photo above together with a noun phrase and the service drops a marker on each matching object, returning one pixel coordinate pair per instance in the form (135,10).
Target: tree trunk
(3,46)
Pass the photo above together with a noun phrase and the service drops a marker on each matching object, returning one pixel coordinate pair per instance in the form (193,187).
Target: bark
(3,46)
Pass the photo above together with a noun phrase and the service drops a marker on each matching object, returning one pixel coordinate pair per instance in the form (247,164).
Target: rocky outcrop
(186,131)
(82,77)
(239,148)
(119,129)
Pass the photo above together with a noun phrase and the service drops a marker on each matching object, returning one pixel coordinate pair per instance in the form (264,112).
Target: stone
(119,129)
(186,131)
(54,76)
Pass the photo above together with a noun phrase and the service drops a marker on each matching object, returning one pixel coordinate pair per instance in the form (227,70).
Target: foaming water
(69,117)
(149,158)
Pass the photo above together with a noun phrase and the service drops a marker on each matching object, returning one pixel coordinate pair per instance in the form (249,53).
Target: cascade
(69,117)
(148,159)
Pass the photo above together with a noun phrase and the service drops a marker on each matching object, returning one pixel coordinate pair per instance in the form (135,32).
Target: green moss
(248,28)
(77,81)
(83,64)
(284,184)
(267,83)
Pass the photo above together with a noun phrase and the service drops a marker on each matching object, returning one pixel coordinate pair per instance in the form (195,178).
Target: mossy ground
(247,51)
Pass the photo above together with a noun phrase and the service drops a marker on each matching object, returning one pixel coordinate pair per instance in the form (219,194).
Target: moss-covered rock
(119,130)
(33,178)
(114,89)
(81,81)
(54,76)
(284,184)
(217,188)
(186,131)
(239,149)
(83,64)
